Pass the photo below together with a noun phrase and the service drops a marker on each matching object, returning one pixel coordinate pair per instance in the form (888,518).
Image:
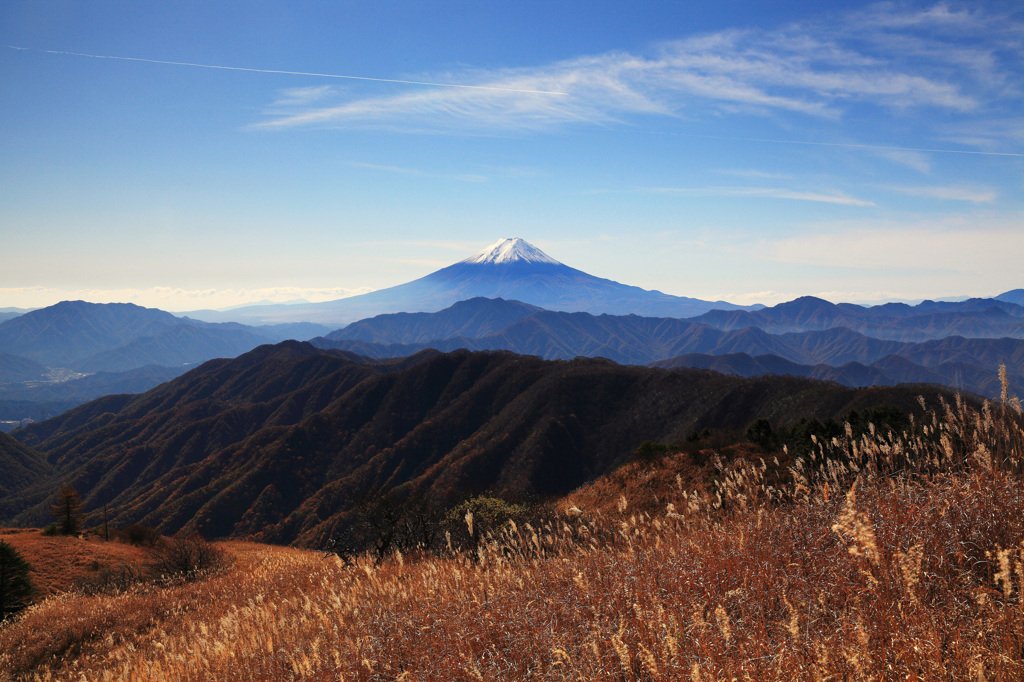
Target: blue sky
(730,150)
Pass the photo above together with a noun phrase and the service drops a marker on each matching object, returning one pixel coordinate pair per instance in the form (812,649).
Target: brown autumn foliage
(886,558)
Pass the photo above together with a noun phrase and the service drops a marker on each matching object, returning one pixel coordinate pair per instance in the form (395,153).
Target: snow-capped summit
(510,250)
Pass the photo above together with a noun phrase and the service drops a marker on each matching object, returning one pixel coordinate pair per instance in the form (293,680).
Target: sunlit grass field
(891,557)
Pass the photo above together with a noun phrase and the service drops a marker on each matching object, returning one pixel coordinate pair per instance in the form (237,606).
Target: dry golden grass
(895,560)
(60,563)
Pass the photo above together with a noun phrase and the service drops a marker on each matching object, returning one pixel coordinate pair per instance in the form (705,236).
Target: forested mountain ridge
(282,442)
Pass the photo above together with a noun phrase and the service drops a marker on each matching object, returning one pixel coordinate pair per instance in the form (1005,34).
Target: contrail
(290,73)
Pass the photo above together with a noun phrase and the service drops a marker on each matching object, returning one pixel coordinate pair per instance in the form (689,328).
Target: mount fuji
(511,268)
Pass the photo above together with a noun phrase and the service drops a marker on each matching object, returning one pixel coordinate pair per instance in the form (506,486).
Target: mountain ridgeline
(116,337)
(60,356)
(736,342)
(281,443)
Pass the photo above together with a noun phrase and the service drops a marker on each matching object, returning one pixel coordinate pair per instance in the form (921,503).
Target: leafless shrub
(186,556)
(113,580)
(142,536)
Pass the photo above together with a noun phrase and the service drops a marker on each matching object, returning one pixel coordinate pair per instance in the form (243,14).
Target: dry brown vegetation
(894,557)
(60,563)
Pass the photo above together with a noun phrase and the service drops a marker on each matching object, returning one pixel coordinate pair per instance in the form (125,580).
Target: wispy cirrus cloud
(753,173)
(300,97)
(977,195)
(463,247)
(461,177)
(890,15)
(839,198)
(919,161)
(883,57)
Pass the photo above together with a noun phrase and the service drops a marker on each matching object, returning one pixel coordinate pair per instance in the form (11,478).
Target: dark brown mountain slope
(280,443)
(20,467)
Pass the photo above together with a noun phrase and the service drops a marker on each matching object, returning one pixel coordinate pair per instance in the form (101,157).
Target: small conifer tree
(66,510)
(15,584)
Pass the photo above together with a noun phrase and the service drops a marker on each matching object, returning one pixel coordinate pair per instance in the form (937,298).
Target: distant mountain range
(1015,296)
(126,348)
(818,348)
(889,371)
(280,443)
(513,296)
(509,268)
(94,337)
(974,318)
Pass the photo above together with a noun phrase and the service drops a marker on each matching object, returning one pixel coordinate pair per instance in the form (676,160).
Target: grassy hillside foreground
(888,558)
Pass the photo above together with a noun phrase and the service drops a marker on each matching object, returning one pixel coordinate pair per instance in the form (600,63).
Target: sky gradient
(854,151)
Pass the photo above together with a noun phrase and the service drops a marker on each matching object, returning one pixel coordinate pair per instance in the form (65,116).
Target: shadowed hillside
(21,467)
(280,443)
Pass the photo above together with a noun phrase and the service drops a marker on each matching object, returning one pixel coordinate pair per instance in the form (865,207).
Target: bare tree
(187,556)
(386,521)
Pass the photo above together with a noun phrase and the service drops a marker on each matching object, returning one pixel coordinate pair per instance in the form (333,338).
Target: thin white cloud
(890,15)
(919,161)
(839,198)
(768,297)
(885,57)
(462,177)
(299,97)
(467,248)
(989,133)
(978,195)
(753,173)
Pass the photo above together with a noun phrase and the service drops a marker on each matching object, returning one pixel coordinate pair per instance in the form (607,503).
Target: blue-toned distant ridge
(512,269)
